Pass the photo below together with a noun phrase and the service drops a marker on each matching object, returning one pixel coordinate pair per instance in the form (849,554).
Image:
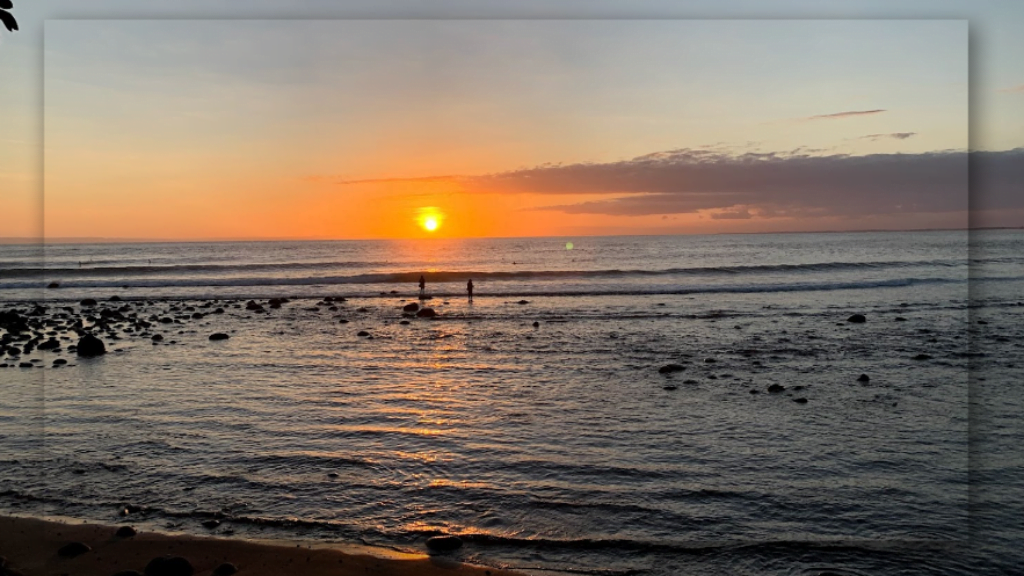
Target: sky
(232,125)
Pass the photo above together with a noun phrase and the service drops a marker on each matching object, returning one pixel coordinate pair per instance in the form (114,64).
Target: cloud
(1011,89)
(771,185)
(894,135)
(844,114)
(737,214)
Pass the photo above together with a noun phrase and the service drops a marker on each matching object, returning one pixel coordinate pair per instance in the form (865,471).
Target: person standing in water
(469,289)
(423,285)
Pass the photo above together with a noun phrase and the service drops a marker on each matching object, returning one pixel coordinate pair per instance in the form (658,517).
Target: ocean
(651,405)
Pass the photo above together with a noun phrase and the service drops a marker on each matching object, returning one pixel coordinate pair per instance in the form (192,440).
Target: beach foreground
(31,547)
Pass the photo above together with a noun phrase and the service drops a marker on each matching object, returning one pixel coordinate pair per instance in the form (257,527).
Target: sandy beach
(32,547)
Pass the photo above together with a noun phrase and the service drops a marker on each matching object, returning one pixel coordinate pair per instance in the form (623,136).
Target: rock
(922,357)
(523,302)
(863,378)
(362,333)
(343,321)
(670,368)
(73,549)
(125,532)
(900,319)
(426,313)
(413,307)
(88,302)
(59,362)
(444,543)
(114,298)
(50,344)
(211,524)
(776,388)
(129,573)
(90,345)
(710,360)
(670,387)
(800,400)
(157,338)
(169,566)
(219,336)
(404,322)
(225,569)
(536,324)
(857,319)
(53,285)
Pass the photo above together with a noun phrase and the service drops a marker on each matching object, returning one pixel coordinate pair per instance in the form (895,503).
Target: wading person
(423,285)
(469,289)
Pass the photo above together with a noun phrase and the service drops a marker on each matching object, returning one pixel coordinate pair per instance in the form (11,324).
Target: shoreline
(30,547)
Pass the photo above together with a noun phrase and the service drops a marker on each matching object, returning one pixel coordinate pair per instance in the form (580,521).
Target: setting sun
(430,218)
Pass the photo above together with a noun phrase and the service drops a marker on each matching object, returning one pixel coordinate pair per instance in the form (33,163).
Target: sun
(430,218)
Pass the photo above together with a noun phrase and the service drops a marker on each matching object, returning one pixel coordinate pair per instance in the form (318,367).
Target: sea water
(535,420)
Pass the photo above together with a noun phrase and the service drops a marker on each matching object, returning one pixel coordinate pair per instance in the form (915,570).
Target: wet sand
(31,547)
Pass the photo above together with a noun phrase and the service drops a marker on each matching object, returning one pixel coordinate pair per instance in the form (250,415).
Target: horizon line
(14,240)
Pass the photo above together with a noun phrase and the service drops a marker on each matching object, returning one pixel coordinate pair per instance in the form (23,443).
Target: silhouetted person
(6,17)
(469,288)
(423,285)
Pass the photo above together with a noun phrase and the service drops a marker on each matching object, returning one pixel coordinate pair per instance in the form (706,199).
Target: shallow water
(556,447)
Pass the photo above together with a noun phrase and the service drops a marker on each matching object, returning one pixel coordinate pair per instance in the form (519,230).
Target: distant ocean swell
(57,273)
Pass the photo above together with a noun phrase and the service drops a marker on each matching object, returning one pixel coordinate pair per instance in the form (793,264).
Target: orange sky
(347,129)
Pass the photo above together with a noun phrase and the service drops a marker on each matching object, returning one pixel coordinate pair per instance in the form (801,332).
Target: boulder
(53,285)
(444,543)
(412,307)
(90,345)
(73,549)
(776,388)
(857,319)
(50,344)
(362,333)
(219,336)
(670,368)
(125,532)
(88,302)
(800,400)
(225,569)
(426,313)
(169,566)
(863,378)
